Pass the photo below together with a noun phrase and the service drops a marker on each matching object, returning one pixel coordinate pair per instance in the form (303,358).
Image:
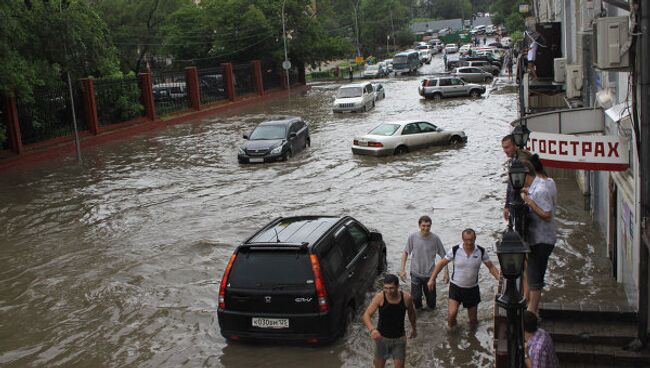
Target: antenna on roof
(277,238)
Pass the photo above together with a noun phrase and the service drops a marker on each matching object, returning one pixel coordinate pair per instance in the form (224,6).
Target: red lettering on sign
(586,148)
(613,149)
(563,151)
(600,149)
(542,146)
(575,147)
(532,145)
(551,144)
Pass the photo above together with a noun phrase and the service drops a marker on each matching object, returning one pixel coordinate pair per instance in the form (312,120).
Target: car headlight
(277,150)
(241,151)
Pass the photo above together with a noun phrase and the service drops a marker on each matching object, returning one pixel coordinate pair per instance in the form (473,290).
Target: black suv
(275,140)
(299,279)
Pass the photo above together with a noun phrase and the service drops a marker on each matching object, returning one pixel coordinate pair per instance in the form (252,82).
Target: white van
(354,97)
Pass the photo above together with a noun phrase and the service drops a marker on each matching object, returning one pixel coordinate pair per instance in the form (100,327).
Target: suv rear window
(260,269)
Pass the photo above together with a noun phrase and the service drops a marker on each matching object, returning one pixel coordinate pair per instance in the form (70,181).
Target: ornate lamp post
(512,252)
(517,175)
(521,134)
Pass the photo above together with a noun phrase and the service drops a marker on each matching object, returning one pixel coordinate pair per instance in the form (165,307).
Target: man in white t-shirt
(463,289)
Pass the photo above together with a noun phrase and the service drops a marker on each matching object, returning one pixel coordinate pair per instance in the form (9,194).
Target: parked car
(375,71)
(478,30)
(453,61)
(275,140)
(380,93)
(169,91)
(299,279)
(354,97)
(489,59)
(212,84)
(451,48)
(442,87)
(483,65)
(465,48)
(490,29)
(472,75)
(402,137)
(425,56)
(389,65)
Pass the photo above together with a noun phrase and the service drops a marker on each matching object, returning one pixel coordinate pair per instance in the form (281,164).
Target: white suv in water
(354,97)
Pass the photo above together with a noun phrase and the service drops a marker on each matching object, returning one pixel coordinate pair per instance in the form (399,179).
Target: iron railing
(118,100)
(212,85)
(49,113)
(272,76)
(243,79)
(170,92)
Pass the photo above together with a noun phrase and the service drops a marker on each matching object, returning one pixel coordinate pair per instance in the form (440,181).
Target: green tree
(29,57)
(136,27)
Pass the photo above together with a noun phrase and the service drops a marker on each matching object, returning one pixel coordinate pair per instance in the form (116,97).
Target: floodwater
(117,263)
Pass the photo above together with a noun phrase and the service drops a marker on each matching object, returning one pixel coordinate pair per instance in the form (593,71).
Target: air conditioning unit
(559,70)
(573,80)
(611,43)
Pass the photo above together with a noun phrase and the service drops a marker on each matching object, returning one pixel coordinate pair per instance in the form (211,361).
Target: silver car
(442,87)
(401,137)
(471,74)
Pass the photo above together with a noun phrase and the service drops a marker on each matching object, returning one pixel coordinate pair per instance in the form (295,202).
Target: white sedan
(401,137)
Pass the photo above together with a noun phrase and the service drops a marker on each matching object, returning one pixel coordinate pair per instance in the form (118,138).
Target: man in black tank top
(390,335)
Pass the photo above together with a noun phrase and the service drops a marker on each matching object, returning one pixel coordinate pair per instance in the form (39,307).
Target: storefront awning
(569,121)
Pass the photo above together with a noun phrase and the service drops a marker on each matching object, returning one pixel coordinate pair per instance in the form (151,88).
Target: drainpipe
(644,159)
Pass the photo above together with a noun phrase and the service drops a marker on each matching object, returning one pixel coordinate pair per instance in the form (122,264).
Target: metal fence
(212,85)
(243,79)
(4,138)
(170,92)
(49,114)
(272,76)
(118,100)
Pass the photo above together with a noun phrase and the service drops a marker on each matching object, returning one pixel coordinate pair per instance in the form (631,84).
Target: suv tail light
(425,83)
(375,144)
(321,293)
(224,282)
(355,142)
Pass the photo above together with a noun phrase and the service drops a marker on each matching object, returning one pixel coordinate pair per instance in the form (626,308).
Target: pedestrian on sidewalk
(423,246)
(511,151)
(539,350)
(540,196)
(463,287)
(390,335)
(351,71)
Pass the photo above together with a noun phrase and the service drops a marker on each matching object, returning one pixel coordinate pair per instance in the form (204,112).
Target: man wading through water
(389,335)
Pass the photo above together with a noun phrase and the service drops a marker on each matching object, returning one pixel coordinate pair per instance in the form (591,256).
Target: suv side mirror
(245,136)
(375,236)
(292,135)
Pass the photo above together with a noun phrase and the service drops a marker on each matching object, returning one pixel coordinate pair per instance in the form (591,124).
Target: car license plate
(256,159)
(270,322)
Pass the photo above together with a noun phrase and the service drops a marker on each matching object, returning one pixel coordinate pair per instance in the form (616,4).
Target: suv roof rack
(273,245)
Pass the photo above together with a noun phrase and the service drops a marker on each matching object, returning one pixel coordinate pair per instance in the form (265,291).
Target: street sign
(286,65)
(358,59)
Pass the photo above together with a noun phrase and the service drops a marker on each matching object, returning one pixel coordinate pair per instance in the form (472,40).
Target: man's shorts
(387,348)
(469,297)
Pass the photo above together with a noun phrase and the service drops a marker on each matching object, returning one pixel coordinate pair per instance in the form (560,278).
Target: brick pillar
(257,73)
(302,78)
(13,124)
(90,105)
(193,88)
(228,76)
(145,82)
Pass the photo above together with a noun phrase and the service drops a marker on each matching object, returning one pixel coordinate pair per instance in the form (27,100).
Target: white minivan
(354,97)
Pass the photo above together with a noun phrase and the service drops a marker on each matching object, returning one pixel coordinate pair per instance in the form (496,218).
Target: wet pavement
(118,262)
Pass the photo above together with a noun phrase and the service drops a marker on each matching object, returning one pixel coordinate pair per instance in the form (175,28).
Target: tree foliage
(29,54)
(506,12)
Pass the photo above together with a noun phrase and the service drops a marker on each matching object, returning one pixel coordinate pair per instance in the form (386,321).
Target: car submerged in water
(275,140)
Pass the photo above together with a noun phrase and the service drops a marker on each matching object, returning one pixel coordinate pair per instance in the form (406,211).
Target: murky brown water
(117,263)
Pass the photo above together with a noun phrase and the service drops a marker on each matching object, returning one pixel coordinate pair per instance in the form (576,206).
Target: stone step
(609,332)
(587,312)
(598,355)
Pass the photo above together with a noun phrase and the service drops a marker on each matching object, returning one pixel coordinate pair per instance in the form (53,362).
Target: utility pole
(286,64)
(356,23)
(72,105)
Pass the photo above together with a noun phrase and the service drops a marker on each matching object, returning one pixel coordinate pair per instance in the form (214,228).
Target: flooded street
(117,263)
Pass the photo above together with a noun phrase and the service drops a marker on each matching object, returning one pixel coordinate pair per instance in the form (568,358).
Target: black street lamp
(517,175)
(521,133)
(512,254)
